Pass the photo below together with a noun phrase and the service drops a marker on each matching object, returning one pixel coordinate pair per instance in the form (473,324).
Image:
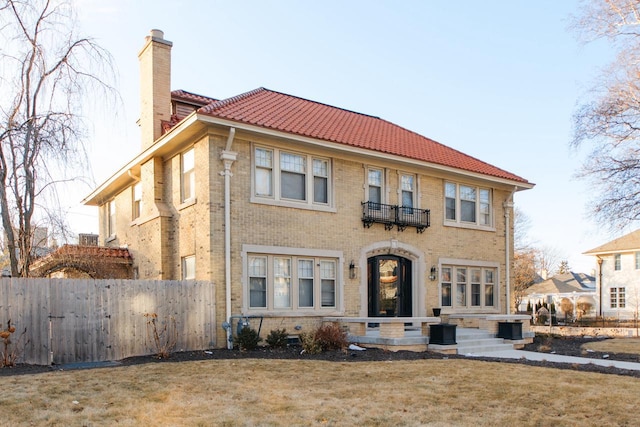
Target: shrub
(248,338)
(10,350)
(277,338)
(331,337)
(164,337)
(326,337)
(309,343)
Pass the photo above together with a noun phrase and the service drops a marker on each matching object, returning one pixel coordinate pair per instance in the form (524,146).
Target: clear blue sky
(498,80)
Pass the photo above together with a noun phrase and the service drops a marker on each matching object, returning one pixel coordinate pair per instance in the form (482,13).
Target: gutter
(228,157)
(508,206)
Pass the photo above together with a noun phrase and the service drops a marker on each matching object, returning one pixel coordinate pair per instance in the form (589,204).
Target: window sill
(110,238)
(297,313)
(187,203)
(291,204)
(469,226)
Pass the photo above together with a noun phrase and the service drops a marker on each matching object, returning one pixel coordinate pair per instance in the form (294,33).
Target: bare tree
(610,120)
(547,258)
(46,72)
(524,274)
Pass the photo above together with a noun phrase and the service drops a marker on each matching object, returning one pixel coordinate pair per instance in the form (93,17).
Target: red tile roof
(191,98)
(278,111)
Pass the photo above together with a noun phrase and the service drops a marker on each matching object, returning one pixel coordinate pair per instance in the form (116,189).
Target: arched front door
(389,286)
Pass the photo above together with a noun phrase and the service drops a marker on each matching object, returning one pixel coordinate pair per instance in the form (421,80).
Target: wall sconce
(352,270)
(433,274)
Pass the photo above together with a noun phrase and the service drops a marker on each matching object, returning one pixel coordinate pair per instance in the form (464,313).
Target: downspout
(228,157)
(508,206)
(600,285)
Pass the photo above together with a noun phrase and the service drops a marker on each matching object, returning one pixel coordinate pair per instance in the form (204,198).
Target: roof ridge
(209,108)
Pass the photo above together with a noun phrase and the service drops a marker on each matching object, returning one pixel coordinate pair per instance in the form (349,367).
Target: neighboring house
(576,291)
(618,276)
(295,210)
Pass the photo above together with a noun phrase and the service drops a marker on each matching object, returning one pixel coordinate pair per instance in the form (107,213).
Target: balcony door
(389,286)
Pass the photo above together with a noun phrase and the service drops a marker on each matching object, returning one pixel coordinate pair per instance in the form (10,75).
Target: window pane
(112,218)
(488,295)
(446,294)
(407,199)
(263,182)
(328,293)
(475,286)
(188,174)
(375,194)
(461,286)
(622,298)
(258,292)
(467,211)
(451,209)
(305,283)
(264,158)
(281,283)
(375,178)
(320,193)
(292,185)
(320,168)
(137,200)
(617,262)
(485,208)
(292,163)
(407,182)
(614,297)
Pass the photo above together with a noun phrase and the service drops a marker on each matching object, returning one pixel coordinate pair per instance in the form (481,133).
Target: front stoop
(470,341)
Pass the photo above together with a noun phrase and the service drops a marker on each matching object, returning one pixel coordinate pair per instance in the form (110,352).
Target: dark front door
(389,286)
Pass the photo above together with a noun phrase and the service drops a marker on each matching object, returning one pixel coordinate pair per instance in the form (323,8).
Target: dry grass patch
(615,345)
(260,392)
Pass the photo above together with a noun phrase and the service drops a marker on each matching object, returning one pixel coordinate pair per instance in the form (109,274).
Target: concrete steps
(472,341)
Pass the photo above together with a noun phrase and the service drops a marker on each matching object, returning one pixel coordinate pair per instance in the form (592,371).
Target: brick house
(295,210)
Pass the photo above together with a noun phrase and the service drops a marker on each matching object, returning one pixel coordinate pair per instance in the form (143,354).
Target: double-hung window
(467,286)
(375,181)
(467,205)
(637,255)
(617,260)
(294,179)
(288,283)
(188,178)
(407,191)
(137,201)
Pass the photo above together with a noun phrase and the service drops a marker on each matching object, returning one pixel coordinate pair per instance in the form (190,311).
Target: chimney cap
(157,34)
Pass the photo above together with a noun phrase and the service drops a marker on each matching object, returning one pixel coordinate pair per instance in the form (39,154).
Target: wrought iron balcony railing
(393,215)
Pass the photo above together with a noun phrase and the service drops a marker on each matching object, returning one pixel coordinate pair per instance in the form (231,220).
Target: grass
(615,345)
(256,392)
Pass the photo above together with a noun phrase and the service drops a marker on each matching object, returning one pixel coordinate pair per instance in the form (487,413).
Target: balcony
(395,216)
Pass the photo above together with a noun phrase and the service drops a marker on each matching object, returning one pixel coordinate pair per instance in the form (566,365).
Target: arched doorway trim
(418,271)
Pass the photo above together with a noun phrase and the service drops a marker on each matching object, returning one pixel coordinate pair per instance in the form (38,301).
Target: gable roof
(278,111)
(562,283)
(627,243)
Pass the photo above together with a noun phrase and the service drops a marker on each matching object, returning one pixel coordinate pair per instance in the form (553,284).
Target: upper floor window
(189,267)
(617,261)
(618,297)
(111,221)
(137,201)
(375,184)
(637,260)
(188,182)
(408,191)
(291,177)
(467,205)
(283,282)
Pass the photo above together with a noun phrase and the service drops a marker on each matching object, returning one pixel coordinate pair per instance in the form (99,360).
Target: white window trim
(136,215)
(111,222)
(470,264)
(463,224)
(275,199)
(384,196)
(298,253)
(416,190)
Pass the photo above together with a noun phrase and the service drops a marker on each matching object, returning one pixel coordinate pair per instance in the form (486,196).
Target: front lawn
(250,392)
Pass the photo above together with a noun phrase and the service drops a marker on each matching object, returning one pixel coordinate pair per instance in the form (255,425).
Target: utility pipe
(228,157)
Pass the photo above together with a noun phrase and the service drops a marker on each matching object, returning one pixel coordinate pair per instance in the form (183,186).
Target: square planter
(510,330)
(444,334)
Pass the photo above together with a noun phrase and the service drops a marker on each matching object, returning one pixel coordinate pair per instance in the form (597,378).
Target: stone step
(484,348)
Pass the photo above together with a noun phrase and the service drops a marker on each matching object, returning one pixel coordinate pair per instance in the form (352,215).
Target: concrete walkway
(558,358)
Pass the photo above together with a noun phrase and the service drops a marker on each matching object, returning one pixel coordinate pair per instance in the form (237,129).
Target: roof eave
(518,185)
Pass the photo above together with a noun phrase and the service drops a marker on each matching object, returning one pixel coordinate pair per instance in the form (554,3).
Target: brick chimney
(155,86)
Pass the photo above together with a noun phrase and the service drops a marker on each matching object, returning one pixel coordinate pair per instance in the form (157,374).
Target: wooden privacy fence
(77,320)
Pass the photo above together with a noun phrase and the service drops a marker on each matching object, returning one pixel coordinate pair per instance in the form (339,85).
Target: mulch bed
(569,346)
